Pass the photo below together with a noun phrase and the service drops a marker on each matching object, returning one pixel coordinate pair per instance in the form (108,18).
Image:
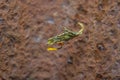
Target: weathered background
(25,26)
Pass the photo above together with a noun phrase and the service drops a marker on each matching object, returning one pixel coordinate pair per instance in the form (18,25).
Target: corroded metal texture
(26,25)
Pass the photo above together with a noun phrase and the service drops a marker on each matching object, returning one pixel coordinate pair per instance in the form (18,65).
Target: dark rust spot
(101,47)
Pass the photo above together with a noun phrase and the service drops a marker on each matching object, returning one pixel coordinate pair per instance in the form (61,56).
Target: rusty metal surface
(25,26)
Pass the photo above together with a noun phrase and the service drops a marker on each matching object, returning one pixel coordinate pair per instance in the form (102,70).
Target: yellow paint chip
(51,49)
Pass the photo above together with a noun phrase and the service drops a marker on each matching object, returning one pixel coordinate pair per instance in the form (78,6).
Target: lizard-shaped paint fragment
(65,36)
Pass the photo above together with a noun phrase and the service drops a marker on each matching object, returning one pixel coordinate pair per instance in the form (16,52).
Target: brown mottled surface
(25,26)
